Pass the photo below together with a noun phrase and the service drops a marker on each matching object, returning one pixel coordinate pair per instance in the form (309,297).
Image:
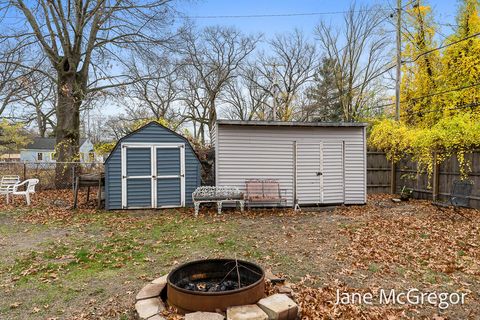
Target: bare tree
(285,71)
(195,100)
(117,126)
(213,56)
(157,93)
(244,99)
(38,98)
(360,50)
(11,75)
(82,40)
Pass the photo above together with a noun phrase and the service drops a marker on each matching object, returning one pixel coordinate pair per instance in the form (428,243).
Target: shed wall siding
(354,172)
(245,152)
(149,134)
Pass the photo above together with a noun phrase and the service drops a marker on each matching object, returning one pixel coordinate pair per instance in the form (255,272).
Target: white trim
(314,144)
(169,177)
(182,175)
(364,131)
(123,155)
(150,145)
(125,177)
(295,175)
(166,207)
(321,170)
(215,161)
(343,170)
(139,177)
(153,169)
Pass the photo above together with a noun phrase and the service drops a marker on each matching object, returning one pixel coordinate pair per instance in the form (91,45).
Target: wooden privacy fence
(379,176)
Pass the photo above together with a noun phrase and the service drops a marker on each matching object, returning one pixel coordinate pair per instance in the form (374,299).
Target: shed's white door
(137,177)
(320,175)
(309,173)
(169,176)
(153,175)
(333,176)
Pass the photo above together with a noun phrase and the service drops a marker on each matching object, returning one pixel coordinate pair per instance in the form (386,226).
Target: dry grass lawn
(56,263)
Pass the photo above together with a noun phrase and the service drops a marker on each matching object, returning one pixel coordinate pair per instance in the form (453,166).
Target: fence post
(73,177)
(435,178)
(24,171)
(393,178)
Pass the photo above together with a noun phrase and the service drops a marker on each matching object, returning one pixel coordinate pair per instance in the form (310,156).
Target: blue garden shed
(152,167)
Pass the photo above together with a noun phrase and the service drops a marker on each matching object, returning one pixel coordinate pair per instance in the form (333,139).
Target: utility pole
(399,60)
(393,172)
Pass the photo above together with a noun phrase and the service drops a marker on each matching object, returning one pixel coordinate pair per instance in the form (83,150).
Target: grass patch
(424,235)
(120,245)
(373,267)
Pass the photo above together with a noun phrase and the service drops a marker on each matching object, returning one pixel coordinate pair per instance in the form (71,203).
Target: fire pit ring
(218,271)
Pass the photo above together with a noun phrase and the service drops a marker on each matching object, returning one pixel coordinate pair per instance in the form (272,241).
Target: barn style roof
(45,143)
(290,123)
(151,123)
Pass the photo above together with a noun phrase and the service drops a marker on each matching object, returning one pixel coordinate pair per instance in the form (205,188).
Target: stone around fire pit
(247,312)
(149,304)
(279,307)
(148,308)
(204,316)
(150,290)
(275,307)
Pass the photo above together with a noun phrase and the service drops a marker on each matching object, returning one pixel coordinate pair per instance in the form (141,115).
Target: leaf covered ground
(57,263)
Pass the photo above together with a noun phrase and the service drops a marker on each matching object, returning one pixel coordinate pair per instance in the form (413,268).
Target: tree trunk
(212,116)
(68,127)
(41,122)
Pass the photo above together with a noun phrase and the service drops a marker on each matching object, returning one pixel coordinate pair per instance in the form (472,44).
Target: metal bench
(460,197)
(218,195)
(264,191)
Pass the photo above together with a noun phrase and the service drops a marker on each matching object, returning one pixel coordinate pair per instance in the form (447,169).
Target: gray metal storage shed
(315,162)
(152,167)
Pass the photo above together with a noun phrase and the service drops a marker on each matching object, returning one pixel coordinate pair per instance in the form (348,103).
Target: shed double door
(320,173)
(153,176)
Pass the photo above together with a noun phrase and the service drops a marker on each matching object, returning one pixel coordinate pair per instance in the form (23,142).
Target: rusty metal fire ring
(190,301)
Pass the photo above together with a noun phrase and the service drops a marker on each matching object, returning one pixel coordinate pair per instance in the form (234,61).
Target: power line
(282,14)
(430,95)
(441,47)
(465,106)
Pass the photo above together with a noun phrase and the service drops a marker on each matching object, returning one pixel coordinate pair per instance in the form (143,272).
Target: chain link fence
(45,172)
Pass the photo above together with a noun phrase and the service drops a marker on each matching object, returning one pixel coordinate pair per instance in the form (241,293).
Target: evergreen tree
(324,103)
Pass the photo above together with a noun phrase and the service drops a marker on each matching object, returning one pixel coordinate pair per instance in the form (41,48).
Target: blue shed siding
(139,193)
(168,162)
(152,133)
(138,162)
(168,192)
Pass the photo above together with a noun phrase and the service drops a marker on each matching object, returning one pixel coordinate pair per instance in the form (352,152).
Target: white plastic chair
(7,183)
(29,189)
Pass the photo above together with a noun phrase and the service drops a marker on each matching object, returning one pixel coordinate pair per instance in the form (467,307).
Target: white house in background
(43,150)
